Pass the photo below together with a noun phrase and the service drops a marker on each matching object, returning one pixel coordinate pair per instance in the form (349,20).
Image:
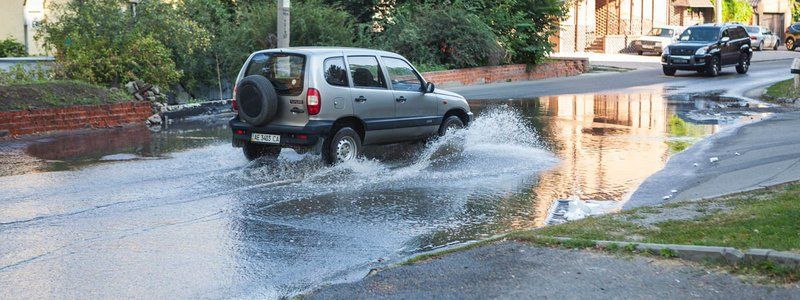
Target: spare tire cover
(257,99)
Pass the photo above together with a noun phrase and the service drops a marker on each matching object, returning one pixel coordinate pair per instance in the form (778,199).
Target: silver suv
(334,100)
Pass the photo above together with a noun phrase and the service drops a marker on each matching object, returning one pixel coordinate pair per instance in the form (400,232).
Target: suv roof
(314,50)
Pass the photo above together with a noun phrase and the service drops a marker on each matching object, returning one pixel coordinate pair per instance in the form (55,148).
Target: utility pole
(283,23)
(717,11)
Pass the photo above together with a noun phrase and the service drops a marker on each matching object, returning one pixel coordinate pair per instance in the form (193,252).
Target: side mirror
(429,87)
(724,39)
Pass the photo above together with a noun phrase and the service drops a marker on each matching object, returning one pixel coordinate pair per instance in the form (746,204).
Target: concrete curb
(727,255)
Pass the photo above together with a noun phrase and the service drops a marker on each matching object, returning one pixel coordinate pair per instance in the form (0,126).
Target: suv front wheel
(451,123)
(345,145)
(714,66)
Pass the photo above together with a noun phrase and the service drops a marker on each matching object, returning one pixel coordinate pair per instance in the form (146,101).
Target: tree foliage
(736,11)
(436,35)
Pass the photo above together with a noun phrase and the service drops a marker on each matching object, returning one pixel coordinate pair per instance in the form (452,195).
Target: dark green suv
(707,49)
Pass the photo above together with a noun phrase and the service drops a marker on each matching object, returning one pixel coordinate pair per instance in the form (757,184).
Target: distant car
(761,37)
(656,39)
(707,48)
(792,34)
(332,101)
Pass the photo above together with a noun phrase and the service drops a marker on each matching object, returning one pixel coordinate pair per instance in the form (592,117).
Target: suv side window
(335,72)
(725,33)
(366,72)
(402,75)
(742,33)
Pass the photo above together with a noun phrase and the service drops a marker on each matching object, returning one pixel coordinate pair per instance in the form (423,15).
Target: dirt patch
(53,94)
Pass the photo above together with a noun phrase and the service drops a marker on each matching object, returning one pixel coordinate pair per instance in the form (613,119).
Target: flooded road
(180,213)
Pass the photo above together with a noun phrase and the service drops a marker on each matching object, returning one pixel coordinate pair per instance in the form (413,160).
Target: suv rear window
(752,29)
(285,71)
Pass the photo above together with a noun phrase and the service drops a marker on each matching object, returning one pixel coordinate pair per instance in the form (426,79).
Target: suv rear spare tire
(257,99)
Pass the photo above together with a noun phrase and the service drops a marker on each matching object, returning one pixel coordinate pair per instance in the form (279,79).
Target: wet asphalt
(179,213)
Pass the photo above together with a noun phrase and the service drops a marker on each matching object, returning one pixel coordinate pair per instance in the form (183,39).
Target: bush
(96,41)
(11,48)
(433,35)
(20,74)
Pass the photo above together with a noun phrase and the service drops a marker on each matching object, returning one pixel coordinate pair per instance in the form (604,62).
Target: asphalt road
(767,67)
(512,270)
(180,214)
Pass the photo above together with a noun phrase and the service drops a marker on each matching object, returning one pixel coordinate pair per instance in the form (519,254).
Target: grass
(781,89)
(56,93)
(762,219)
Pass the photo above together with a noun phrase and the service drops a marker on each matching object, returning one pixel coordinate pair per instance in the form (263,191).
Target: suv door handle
(400,99)
(361,99)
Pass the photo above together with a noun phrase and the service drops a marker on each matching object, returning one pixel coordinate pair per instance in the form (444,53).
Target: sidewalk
(517,270)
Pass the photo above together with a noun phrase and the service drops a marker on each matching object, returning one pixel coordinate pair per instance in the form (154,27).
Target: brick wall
(18,122)
(481,75)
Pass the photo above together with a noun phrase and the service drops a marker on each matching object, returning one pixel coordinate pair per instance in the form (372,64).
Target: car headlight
(701,51)
(666,51)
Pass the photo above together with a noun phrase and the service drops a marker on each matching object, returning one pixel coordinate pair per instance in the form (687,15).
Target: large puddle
(181,213)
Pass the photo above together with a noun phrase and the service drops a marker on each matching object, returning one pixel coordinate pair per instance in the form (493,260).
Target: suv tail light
(313,101)
(752,37)
(234,105)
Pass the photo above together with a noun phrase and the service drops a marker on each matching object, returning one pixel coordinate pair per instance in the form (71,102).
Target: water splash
(498,148)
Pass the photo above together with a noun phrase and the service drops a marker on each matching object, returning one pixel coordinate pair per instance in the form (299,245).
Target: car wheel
(775,47)
(254,151)
(790,44)
(760,46)
(714,67)
(669,71)
(344,146)
(744,64)
(451,123)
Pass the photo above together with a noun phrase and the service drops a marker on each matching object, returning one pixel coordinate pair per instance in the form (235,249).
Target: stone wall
(481,75)
(17,122)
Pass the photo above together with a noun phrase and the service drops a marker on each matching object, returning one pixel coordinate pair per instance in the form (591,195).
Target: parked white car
(657,39)
(761,37)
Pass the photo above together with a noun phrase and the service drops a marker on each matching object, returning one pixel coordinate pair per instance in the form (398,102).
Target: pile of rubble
(145,91)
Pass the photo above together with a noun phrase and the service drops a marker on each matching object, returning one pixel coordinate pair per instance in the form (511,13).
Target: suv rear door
(373,102)
(413,107)
(286,71)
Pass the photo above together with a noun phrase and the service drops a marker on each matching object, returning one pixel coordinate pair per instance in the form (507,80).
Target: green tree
(438,35)
(736,11)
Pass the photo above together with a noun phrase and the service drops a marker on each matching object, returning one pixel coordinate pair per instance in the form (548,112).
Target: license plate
(265,138)
(680,61)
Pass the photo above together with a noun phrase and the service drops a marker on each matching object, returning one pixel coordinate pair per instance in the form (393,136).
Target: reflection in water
(608,143)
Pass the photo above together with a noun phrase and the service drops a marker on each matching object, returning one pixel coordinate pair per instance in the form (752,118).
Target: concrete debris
(696,164)
(154,120)
(713,159)
(144,91)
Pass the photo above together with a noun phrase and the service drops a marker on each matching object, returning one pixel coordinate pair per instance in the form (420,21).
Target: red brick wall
(481,75)
(17,122)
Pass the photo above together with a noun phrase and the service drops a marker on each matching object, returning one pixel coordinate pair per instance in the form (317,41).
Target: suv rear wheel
(713,68)
(254,151)
(744,64)
(790,44)
(345,145)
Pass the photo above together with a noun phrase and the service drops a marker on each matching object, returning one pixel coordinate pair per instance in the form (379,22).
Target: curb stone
(695,253)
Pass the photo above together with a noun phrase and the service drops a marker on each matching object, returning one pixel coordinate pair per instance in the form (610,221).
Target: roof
(311,50)
(694,3)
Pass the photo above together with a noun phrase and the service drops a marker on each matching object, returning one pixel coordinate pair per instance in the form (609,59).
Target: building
(609,26)
(20,19)
(773,14)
